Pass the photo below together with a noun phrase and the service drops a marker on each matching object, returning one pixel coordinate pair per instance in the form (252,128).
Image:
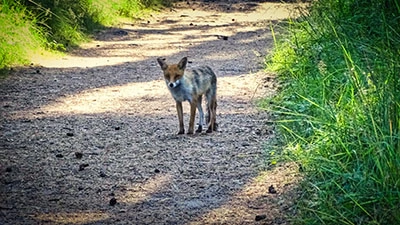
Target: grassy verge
(28,26)
(338,110)
(16,27)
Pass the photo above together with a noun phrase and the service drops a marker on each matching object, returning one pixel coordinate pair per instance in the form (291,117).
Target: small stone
(83,166)
(222,37)
(78,155)
(102,174)
(70,134)
(117,128)
(113,201)
(59,155)
(245,144)
(156,171)
(8,169)
(271,190)
(260,217)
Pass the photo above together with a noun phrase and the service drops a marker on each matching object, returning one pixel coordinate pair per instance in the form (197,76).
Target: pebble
(113,201)
(260,217)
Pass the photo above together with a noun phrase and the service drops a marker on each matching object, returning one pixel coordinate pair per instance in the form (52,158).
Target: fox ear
(162,63)
(182,63)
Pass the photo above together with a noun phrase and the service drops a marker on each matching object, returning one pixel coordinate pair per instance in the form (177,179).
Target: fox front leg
(180,117)
(193,106)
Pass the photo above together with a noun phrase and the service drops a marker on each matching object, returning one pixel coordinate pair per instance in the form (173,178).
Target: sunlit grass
(338,110)
(38,26)
(18,37)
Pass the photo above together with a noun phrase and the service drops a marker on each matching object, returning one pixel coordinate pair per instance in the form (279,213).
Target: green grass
(28,26)
(338,110)
(18,36)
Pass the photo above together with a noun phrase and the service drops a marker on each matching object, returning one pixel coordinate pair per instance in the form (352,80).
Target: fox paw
(199,129)
(211,129)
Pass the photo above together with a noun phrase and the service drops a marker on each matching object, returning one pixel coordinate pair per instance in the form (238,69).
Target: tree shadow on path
(73,138)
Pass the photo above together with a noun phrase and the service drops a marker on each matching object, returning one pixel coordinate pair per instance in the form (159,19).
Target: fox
(191,85)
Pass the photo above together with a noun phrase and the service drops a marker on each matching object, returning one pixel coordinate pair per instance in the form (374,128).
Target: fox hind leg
(201,115)
(212,111)
(193,106)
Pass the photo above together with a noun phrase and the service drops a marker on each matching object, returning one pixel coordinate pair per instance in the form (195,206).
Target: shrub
(338,109)
(29,25)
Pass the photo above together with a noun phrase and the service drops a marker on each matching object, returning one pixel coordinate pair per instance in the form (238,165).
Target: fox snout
(173,84)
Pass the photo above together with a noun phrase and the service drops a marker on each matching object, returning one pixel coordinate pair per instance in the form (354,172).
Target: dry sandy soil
(90,138)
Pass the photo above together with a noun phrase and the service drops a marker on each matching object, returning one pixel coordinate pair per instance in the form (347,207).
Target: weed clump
(29,25)
(339,109)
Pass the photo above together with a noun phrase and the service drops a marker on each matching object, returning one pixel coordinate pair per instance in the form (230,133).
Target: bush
(18,34)
(338,109)
(27,25)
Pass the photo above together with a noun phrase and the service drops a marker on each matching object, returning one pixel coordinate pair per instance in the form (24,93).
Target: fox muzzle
(174,84)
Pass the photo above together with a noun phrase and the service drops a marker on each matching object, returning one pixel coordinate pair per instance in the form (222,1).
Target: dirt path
(80,131)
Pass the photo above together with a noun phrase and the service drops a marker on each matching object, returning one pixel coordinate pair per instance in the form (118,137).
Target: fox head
(173,73)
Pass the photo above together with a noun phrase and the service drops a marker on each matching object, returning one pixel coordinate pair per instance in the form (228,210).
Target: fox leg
(212,113)
(180,117)
(201,115)
(215,115)
(193,106)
